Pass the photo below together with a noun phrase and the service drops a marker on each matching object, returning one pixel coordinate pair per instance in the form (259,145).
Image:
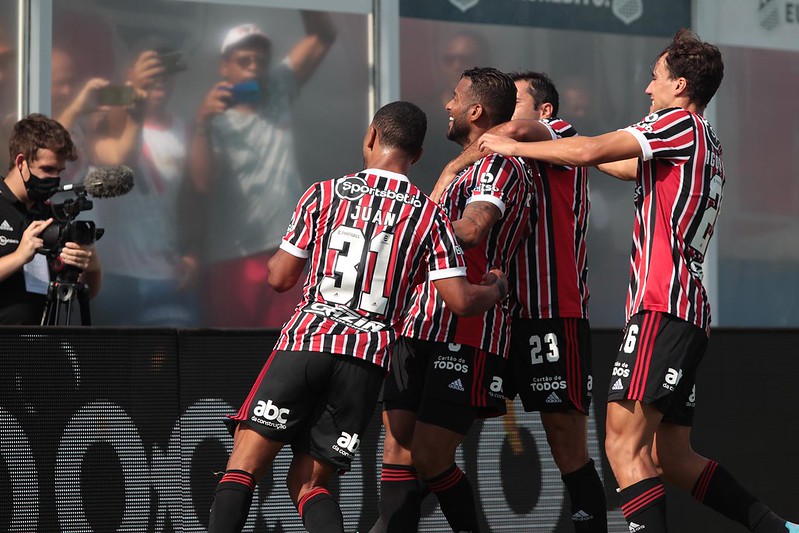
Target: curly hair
(401,125)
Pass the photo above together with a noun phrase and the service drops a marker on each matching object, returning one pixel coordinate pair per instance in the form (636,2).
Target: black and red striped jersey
(370,237)
(507,184)
(550,271)
(677,199)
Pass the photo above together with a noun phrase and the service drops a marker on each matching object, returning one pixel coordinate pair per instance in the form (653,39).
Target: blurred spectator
(458,52)
(74,105)
(151,262)
(578,100)
(242,158)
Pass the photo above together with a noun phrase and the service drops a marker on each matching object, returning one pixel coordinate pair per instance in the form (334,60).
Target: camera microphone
(104,182)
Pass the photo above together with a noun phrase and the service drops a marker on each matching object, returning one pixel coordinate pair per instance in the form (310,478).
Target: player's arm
(307,54)
(575,151)
(285,270)
(467,299)
(520,129)
(625,170)
(476,221)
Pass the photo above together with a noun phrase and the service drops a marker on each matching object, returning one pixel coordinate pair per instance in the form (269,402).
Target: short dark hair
(540,87)
(401,125)
(698,62)
(494,90)
(39,131)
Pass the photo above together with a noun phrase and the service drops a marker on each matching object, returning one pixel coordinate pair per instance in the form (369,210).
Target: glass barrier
(226,114)
(600,80)
(8,76)
(759,230)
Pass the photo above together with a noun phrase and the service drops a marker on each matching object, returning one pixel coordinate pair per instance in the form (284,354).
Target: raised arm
(121,143)
(202,163)
(307,54)
(572,151)
(519,129)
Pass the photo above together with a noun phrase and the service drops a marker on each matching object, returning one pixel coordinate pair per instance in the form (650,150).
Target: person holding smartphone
(242,159)
(151,259)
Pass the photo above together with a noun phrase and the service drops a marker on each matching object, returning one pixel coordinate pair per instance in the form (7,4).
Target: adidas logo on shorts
(582,516)
(618,385)
(636,527)
(554,398)
(457,385)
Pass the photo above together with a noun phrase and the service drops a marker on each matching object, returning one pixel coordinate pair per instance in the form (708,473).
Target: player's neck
(391,162)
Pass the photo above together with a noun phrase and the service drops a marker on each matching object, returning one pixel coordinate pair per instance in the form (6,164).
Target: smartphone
(115,95)
(173,62)
(248,92)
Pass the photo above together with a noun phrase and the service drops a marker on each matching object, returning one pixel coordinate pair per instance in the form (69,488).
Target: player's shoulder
(561,127)
(498,160)
(668,116)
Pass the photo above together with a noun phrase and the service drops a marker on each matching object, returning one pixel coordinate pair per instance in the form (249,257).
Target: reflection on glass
(225,114)
(8,77)
(759,222)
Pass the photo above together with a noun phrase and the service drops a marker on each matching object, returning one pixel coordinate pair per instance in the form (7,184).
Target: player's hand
(216,102)
(82,256)
(446,177)
(31,239)
(496,277)
(491,143)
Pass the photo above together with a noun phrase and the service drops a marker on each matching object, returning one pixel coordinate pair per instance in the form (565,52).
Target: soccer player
(674,157)
(549,364)
(447,371)
(369,237)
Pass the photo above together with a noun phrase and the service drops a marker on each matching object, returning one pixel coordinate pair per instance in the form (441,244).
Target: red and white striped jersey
(677,199)
(371,238)
(507,184)
(550,271)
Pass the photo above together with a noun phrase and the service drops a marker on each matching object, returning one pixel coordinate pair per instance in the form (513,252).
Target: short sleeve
(666,134)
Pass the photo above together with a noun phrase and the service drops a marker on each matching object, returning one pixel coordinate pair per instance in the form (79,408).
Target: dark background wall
(120,430)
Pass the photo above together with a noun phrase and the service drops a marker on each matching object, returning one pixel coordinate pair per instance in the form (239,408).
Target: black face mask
(41,189)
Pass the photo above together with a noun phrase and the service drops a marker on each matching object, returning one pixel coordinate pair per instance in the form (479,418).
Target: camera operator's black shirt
(17,305)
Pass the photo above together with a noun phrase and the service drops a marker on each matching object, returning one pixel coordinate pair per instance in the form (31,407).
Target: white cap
(241,33)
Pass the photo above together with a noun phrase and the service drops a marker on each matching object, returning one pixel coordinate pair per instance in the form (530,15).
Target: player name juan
(375,216)
(342,315)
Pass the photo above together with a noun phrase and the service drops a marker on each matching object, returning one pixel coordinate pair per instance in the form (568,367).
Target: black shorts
(657,364)
(319,402)
(549,365)
(449,385)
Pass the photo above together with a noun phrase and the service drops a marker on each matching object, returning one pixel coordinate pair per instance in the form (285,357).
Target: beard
(458,131)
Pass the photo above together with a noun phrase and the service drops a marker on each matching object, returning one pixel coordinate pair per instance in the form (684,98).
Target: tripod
(61,295)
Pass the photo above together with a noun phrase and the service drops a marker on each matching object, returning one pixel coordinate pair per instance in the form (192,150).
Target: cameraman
(38,151)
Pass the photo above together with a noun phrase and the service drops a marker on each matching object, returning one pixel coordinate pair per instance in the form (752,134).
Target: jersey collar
(387,174)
